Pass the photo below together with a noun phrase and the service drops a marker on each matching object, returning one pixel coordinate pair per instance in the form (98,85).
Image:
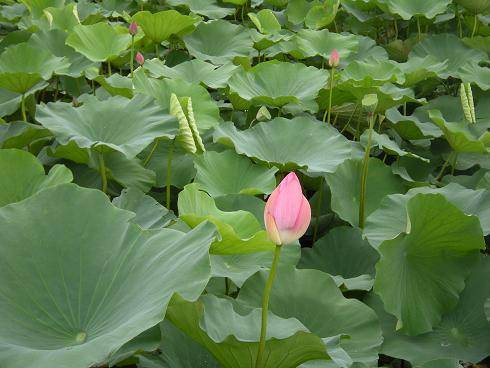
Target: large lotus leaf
(448,47)
(177,350)
(229,173)
(462,137)
(9,102)
(439,240)
(231,332)
(418,69)
(219,42)
(476,6)
(206,112)
(240,231)
(54,41)
(193,71)
(149,213)
(36,7)
(98,42)
(119,124)
(321,14)
(116,85)
(391,217)
(239,267)
(160,26)
(289,144)
(277,84)
(148,340)
(372,73)
(23,175)
(182,169)
(383,141)
(411,127)
(408,9)
(343,254)
(235,202)
(208,8)
(463,334)
(345,185)
(18,134)
(473,73)
(64,18)
(78,266)
(312,297)
(22,66)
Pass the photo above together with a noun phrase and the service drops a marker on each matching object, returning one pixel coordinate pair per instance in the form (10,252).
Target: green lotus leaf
(390,219)
(182,166)
(281,142)
(177,349)
(75,309)
(116,85)
(447,47)
(64,18)
(463,334)
(206,112)
(229,173)
(239,267)
(418,69)
(9,102)
(160,26)
(322,308)
(383,141)
(240,231)
(23,66)
(277,84)
(54,41)
(460,136)
(372,73)
(232,336)
(411,127)
(98,42)
(473,73)
(408,9)
(219,42)
(321,15)
(193,71)
(119,124)
(265,21)
(18,134)
(36,7)
(430,246)
(209,8)
(148,340)
(344,255)
(23,175)
(235,202)
(296,10)
(345,185)
(476,6)
(149,213)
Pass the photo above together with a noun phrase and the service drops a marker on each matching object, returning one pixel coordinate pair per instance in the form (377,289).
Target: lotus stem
(131,63)
(396,28)
(157,52)
(102,171)
(148,158)
(265,307)
(318,211)
(453,164)
(419,34)
(444,166)
(227,286)
(474,26)
(332,73)
(109,70)
(169,173)
(364,173)
(23,107)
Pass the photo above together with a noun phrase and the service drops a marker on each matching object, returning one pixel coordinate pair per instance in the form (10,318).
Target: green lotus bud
(370,102)
(188,135)
(263,114)
(467,104)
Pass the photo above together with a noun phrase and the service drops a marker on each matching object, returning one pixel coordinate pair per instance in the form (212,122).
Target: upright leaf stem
(332,73)
(131,62)
(169,174)
(102,171)
(265,307)
(364,173)
(23,107)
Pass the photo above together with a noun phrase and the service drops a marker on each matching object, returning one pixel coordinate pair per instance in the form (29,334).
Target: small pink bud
(133,28)
(287,212)
(333,61)
(140,58)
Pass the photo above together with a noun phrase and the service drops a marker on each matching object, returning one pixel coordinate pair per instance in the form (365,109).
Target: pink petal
(286,206)
(271,227)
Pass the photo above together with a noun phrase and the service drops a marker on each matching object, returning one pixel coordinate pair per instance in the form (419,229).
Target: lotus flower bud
(133,28)
(140,58)
(287,212)
(334,59)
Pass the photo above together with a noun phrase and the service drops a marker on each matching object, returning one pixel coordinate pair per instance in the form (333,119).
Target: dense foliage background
(134,165)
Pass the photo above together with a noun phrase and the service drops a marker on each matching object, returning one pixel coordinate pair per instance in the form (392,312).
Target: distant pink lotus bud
(287,212)
(140,58)
(334,59)
(133,28)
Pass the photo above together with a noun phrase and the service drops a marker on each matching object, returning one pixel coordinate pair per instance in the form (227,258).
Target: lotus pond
(244,184)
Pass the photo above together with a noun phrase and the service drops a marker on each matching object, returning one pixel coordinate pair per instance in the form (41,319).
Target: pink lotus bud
(133,28)
(333,61)
(287,212)
(140,58)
